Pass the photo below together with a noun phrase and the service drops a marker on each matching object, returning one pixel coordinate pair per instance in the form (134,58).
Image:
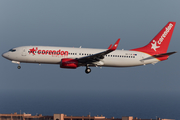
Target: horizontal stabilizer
(164,54)
(161,57)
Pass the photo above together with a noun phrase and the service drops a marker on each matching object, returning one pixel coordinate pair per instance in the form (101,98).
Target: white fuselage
(53,55)
(67,57)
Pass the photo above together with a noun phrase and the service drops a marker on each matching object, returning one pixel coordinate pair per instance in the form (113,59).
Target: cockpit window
(12,50)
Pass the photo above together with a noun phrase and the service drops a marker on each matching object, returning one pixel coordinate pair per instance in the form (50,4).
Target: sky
(90,24)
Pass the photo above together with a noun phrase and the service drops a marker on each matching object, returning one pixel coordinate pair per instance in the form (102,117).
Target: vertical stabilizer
(159,44)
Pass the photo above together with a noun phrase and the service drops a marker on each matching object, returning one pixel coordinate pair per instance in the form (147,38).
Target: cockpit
(12,50)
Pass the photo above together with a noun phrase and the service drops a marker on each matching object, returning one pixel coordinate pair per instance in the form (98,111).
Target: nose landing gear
(19,67)
(17,62)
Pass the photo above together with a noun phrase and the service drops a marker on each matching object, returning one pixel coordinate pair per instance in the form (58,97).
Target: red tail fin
(159,44)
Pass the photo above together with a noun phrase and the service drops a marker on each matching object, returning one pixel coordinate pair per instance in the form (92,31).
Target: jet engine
(69,63)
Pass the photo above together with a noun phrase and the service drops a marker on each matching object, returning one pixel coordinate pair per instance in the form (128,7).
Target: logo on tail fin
(161,39)
(154,46)
(159,44)
(165,33)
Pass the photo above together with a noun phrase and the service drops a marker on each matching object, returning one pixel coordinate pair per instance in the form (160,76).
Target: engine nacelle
(69,63)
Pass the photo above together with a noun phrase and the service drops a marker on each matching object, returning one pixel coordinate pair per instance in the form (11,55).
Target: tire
(19,67)
(88,70)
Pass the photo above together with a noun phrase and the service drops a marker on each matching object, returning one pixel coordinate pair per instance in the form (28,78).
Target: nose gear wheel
(19,67)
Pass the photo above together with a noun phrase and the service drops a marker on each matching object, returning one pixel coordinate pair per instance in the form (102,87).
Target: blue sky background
(90,24)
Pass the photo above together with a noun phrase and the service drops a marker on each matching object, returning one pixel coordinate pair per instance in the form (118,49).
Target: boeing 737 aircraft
(72,58)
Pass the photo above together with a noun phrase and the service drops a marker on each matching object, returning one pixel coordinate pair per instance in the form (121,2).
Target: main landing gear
(88,70)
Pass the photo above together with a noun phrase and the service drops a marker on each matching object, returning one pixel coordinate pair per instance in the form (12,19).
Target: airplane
(72,58)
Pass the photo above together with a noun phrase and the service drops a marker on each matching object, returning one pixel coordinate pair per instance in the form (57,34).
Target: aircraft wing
(98,56)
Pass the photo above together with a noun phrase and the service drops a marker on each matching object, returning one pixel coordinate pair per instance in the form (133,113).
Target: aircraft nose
(5,55)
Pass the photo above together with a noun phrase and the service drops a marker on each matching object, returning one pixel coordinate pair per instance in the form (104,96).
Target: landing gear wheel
(88,70)
(19,67)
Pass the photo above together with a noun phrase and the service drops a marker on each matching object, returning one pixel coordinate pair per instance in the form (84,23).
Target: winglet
(114,46)
(110,46)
